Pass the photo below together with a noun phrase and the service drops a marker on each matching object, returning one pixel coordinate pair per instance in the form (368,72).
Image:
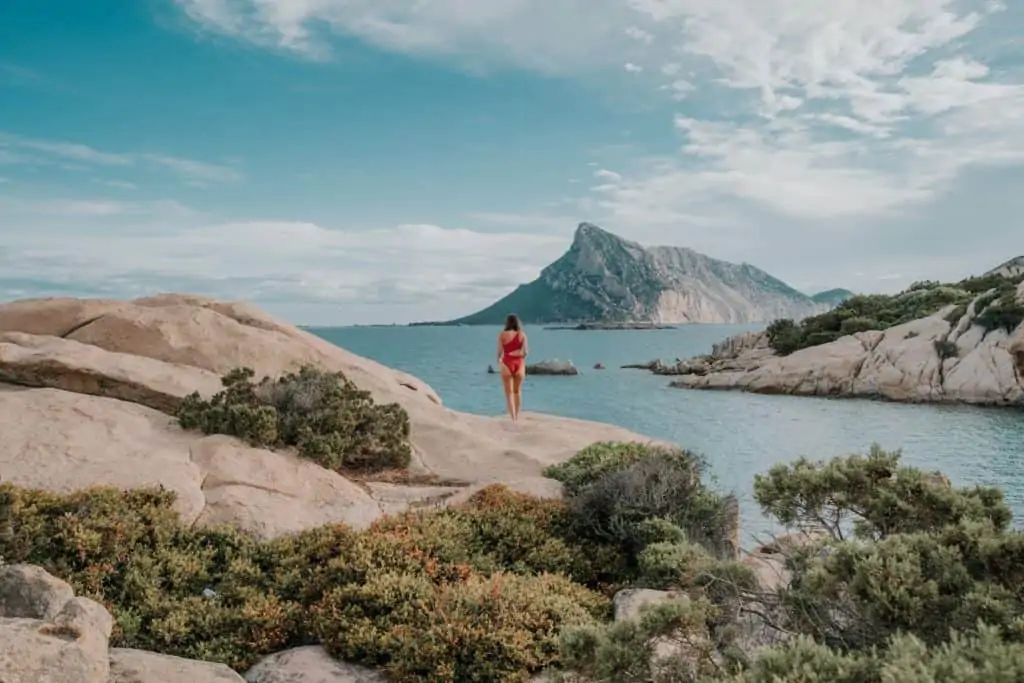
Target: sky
(377,161)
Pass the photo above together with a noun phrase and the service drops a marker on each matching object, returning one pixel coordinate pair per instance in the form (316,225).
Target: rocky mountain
(1012,268)
(605,278)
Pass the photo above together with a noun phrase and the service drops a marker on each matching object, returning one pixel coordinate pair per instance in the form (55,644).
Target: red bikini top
(513,344)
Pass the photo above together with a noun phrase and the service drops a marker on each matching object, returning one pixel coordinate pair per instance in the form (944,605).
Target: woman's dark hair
(512,323)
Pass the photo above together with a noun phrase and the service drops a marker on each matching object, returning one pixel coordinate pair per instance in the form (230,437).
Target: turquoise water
(740,434)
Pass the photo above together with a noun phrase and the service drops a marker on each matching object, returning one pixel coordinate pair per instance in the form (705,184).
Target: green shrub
(595,461)
(946,349)
(483,629)
(668,643)
(613,490)
(324,415)
(980,656)
(958,312)
(1005,314)
(857,595)
(498,529)
(858,324)
(872,496)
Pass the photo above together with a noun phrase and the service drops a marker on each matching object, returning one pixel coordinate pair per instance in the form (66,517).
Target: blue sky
(340,161)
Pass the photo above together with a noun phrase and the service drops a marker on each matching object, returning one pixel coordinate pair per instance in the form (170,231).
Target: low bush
(979,656)
(324,415)
(486,628)
(220,595)
(668,643)
(1005,313)
(613,490)
(945,349)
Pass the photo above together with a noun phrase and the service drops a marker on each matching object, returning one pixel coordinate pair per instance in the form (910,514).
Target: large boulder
(61,441)
(138,666)
(47,635)
(88,388)
(41,642)
(552,367)
(309,665)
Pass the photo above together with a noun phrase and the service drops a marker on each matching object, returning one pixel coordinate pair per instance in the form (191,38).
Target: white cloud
(679,88)
(68,150)
(850,107)
(841,118)
(119,184)
(639,34)
(15,149)
(297,262)
(534,33)
(610,176)
(195,171)
(31,210)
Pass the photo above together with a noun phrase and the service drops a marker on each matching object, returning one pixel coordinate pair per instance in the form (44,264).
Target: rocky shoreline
(940,358)
(151,548)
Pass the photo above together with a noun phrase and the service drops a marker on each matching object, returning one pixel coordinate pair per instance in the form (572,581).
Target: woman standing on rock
(512,352)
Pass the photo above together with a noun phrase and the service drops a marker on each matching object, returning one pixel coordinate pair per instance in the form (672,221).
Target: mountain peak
(1011,268)
(606,278)
(585,231)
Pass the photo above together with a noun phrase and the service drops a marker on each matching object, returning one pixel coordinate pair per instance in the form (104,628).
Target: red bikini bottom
(513,363)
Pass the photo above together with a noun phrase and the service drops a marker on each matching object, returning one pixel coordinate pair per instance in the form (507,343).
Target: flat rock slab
(36,361)
(273,493)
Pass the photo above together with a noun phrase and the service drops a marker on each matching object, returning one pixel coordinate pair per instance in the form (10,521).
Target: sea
(739,434)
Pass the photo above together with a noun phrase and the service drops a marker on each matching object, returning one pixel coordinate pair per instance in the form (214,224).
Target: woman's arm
(501,350)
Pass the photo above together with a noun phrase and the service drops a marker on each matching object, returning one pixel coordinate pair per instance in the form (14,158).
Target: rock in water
(552,367)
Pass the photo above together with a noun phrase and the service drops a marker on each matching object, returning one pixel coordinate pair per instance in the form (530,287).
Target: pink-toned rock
(902,363)
(106,364)
(54,362)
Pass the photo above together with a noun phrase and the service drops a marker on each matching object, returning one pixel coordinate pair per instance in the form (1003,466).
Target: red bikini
(513,363)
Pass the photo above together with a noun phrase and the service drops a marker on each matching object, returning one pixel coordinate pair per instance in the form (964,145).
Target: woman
(512,352)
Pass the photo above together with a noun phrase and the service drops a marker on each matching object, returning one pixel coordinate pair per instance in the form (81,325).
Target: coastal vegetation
(324,415)
(994,296)
(904,578)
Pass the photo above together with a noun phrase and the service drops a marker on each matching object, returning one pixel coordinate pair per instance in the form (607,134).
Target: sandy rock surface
(88,387)
(47,635)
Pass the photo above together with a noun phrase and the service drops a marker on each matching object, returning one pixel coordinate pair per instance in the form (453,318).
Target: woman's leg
(506,382)
(517,391)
